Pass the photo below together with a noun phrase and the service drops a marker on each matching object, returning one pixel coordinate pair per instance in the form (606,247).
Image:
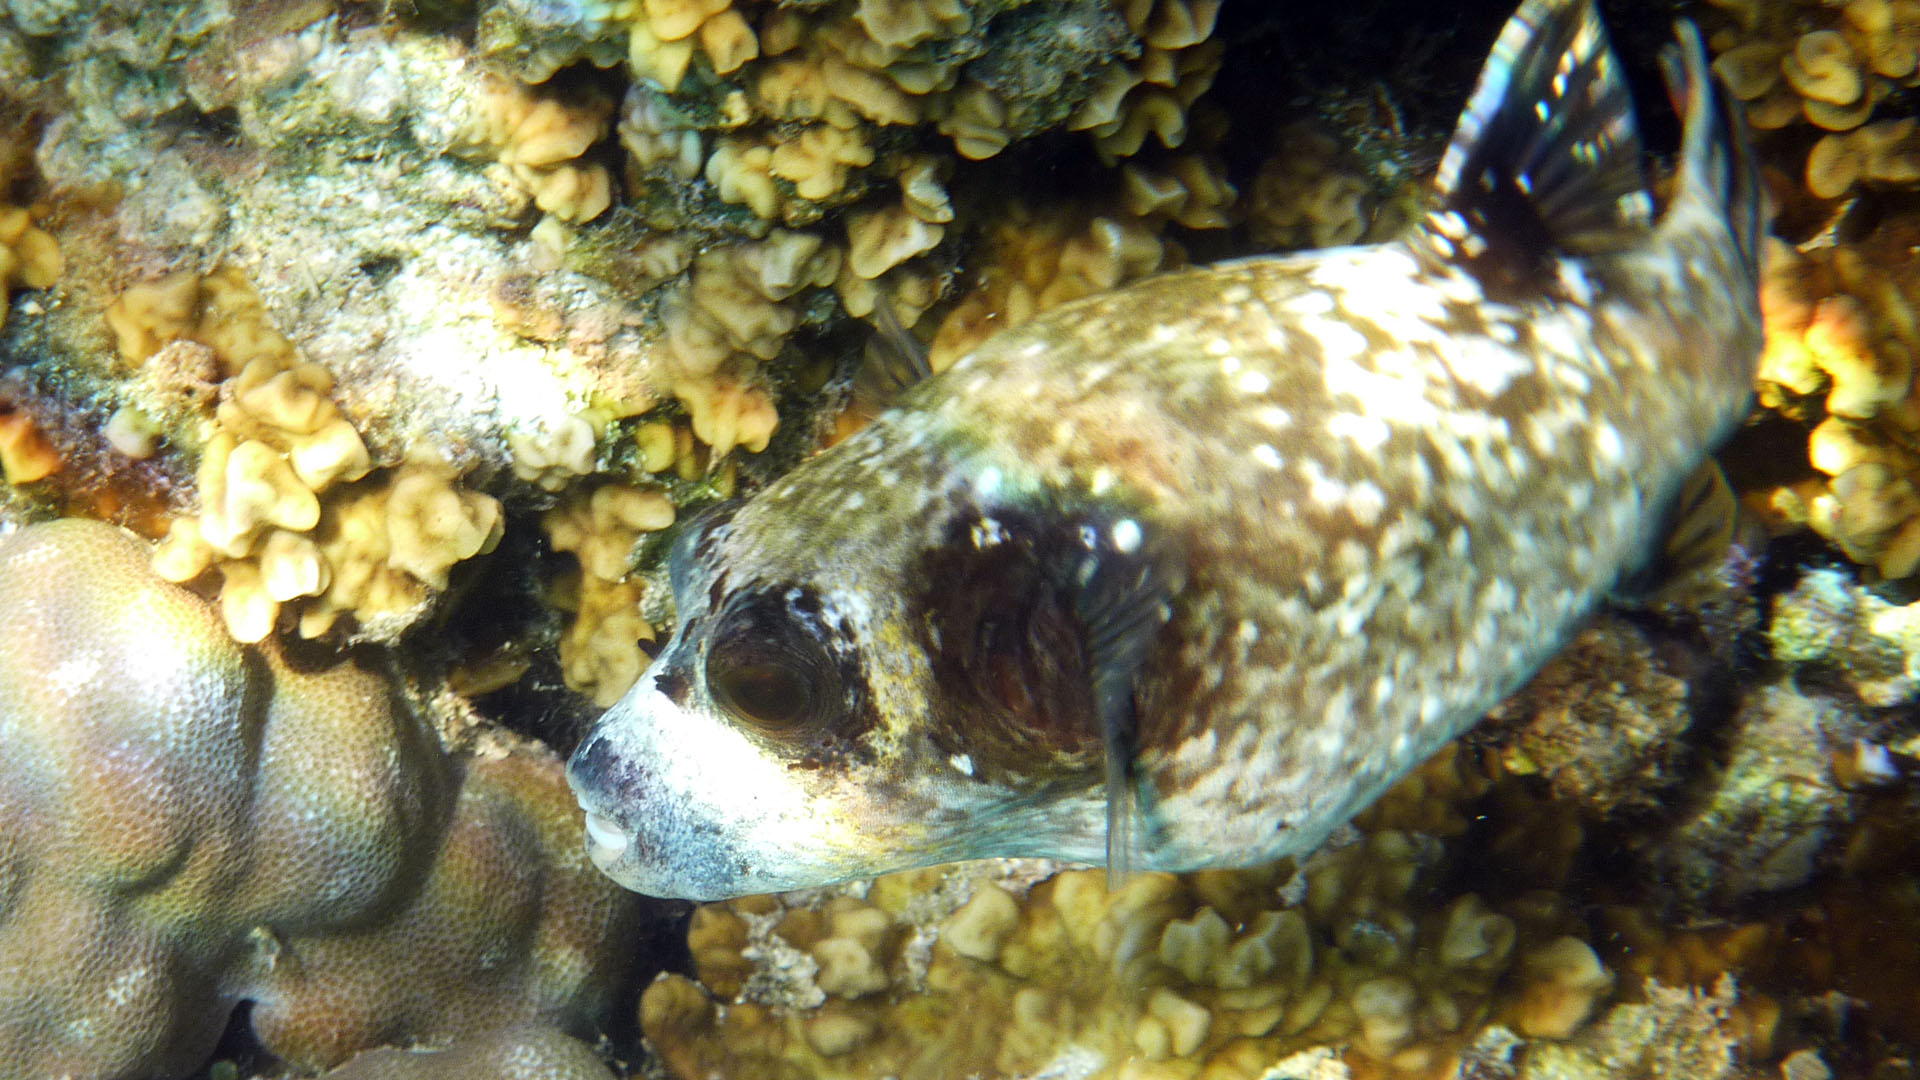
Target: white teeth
(605,836)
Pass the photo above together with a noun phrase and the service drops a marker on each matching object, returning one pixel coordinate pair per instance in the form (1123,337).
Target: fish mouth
(607,842)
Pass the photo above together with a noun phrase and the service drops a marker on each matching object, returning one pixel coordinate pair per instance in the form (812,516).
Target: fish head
(865,677)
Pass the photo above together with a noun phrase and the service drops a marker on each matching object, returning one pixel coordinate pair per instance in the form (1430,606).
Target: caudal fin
(1546,158)
(1716,158)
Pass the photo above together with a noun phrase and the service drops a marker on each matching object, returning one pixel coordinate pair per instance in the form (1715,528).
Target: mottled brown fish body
(1343,502)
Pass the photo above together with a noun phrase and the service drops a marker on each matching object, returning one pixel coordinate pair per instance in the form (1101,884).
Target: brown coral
(193,824)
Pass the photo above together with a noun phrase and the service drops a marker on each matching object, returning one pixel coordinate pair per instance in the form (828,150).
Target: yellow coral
(1313,193)
(541,139)
(275,518)
(819,86)
(816,161)
(732,316)
(879,240)
(1887,152)
(727,411)
(1828,65)
(599,653)
(1210,973)
(601,529)
(554,454)
(220,310)
(25,453)
(1838,329)
(29,256)
(1151,95)
(741,171)
(1032,265)
(432,524)
(389,543)
(153,313)
(905,23)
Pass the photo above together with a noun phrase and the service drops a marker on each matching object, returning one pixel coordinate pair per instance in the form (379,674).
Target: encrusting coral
(193,824)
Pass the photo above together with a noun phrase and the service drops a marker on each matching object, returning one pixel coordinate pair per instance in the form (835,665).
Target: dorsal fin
(1546,158)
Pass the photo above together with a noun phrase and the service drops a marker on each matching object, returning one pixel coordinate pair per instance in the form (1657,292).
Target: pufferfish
(1186,574)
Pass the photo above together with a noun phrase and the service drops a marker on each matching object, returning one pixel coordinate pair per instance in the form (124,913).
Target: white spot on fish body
(1366,432)
(1574,281)
(962,764)
(1266,455)
(1399,397)
(1498,595)
(1273,417)
(1482,364)
(1248,632)
(1326,492)
(987,482)
(1219,346)
(1164,334)
(854,501)
(1126,536)
(1366,502)
(1102,481)
(1253,382)
(1607,444)
(1198,750)
(1382,690)
(1033,349)
(1310,305)
(1229,365)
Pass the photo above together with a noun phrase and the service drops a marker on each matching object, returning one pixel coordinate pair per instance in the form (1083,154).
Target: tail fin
(1546,158)
(1716,156)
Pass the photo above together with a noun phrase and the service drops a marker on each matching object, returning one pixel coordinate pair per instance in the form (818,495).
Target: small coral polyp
(194,824)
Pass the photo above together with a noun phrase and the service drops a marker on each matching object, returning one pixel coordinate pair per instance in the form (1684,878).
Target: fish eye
(768,666)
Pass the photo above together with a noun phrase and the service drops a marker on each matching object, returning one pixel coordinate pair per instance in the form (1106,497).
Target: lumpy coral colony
(394,340)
